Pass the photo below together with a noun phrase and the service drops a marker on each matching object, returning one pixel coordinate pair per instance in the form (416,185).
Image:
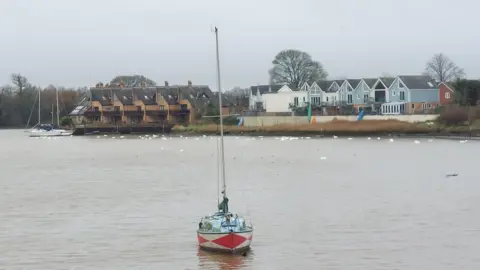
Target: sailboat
(223,231)
(45,130)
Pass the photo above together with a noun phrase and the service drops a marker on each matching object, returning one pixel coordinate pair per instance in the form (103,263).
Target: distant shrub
(453,116)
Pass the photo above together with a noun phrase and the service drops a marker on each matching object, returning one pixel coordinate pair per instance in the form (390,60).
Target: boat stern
(231,242)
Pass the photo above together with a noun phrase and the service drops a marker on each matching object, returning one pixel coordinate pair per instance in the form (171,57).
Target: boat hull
(231,242)
(50,134)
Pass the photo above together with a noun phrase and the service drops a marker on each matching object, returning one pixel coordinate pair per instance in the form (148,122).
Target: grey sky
(81,42)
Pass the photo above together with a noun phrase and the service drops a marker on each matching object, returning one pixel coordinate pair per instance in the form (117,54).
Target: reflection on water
(103,203)
(212,260)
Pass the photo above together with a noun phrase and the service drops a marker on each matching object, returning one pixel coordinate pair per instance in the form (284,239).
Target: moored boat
(223,231)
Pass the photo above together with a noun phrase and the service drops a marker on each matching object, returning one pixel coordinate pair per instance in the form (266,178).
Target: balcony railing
(157,112)
(92,113)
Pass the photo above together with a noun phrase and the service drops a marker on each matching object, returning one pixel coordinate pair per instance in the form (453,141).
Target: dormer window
(124,98)
(146,97)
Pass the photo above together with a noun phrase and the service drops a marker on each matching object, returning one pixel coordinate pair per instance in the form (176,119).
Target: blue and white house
(405,94)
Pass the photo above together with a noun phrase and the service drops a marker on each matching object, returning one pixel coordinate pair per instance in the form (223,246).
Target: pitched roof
(370,81)
(418,82)
(354,82)
(147,95)
(104,96)
(324,84)
(339,82)
(387,81)
(125,96)
(269,88)
(448,85)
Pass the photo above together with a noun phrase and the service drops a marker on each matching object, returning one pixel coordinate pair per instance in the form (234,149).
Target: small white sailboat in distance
(45,130)
(223,231)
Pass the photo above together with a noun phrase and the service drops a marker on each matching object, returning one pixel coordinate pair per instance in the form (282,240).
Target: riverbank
(338,128)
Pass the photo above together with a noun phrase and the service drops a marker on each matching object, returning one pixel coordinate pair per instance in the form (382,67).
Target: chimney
(166,83)
(189,83)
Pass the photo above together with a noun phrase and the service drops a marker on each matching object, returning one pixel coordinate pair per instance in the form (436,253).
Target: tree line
(19,102)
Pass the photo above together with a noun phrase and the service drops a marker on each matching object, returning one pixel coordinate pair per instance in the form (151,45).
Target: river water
(131,203)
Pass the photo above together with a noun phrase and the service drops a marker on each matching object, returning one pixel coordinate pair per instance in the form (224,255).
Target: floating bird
(369,138)
(451,174)
(323,158)
(416,141)
(391,140)
(464,141)
(335,137)
(350,138)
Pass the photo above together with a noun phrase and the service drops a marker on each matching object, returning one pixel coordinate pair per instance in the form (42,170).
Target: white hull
(225,242)
(51,133)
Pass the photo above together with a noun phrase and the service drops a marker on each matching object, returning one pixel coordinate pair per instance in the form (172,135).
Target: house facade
(383,95)
(446,93)
(145,105)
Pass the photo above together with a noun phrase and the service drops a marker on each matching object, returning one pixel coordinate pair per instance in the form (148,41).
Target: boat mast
(222,163)
(39,120)
(58,111)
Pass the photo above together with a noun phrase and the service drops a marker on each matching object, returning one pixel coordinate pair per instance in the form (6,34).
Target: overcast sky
(81,42)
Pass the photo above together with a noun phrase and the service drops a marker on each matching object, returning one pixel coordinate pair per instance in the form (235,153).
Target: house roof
(370,81)
(354,82)
(324,85)
(102,95)
(418,82)
(449,86)
(387,81)
(269,88)
(146,94)
(339,82)
(125,96)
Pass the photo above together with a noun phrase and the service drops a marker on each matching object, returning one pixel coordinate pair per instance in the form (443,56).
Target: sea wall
(256,121)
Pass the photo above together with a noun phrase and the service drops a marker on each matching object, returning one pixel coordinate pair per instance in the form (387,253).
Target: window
(95,109)
(116,108)
(393,93)
(316,100)
(413,106)
(447,95)
(402,95)
(326,98)
(295,101)
(424,106)
(303,99)
(429,105)
(349,99)
(162,108)
(139,108)
(365,98)
(183,107)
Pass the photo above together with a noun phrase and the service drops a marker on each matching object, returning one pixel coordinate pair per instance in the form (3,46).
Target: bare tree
(295,67)
(20,82)
(442,69)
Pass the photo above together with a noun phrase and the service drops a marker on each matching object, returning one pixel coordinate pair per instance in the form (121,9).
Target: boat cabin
(223,223)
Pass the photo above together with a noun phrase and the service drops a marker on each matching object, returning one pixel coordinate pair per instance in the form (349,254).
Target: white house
(276,98)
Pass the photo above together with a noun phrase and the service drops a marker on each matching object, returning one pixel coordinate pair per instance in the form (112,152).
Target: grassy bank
(338,127)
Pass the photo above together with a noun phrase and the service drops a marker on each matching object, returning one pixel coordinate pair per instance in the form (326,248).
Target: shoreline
(442,135)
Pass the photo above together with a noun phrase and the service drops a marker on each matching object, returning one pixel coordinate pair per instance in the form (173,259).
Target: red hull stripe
(201,240)
(227,241)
